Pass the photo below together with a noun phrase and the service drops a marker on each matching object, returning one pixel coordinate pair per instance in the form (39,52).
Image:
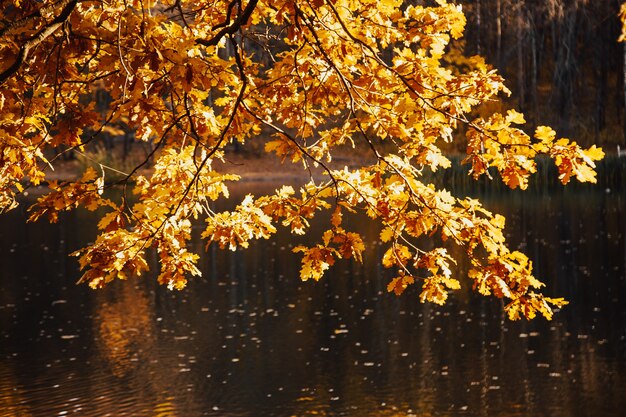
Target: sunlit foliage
(311,75)
(622,18)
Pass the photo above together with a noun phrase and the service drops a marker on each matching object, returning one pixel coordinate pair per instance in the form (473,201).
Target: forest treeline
(560,58)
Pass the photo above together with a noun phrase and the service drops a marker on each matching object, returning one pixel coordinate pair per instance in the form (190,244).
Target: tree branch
(36,39)
(241,20)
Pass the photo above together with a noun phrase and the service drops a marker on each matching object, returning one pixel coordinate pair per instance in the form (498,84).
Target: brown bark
(499,33)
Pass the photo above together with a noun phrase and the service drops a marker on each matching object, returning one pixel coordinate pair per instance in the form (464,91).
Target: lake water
(250,339)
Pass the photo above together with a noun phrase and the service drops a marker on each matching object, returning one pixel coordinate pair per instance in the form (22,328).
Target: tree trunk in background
(521,76)
(624,87)
(499,33)
(601,69)
(478,28)
(565,66)
(533,67)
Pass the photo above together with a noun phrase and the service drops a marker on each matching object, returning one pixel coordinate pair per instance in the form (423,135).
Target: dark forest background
(560,58)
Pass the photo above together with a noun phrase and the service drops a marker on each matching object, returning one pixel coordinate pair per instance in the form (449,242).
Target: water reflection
(124,329)
(249,339)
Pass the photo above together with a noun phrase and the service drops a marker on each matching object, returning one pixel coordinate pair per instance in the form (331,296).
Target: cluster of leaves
(497,143)
(193,76)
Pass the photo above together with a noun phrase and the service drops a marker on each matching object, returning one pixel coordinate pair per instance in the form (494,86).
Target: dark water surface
(250,339)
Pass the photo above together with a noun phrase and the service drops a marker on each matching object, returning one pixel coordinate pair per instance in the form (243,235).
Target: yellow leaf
(399,284)
(336,217)
(399,255)
(386,234)
(498,221)
(513,116)
(545,133)
(594,153)
(90,174)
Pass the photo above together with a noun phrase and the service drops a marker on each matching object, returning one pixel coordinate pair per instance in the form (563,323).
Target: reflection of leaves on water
(123,326)
(165,408)
(12,401)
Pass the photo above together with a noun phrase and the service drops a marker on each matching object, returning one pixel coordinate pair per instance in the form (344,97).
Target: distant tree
(194,76)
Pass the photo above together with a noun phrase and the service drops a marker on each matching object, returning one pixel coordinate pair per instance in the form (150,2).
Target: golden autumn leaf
(315,261)
(336,217)
(386,234)
(399,284)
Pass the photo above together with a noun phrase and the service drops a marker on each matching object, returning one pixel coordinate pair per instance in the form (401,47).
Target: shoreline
(251,168)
